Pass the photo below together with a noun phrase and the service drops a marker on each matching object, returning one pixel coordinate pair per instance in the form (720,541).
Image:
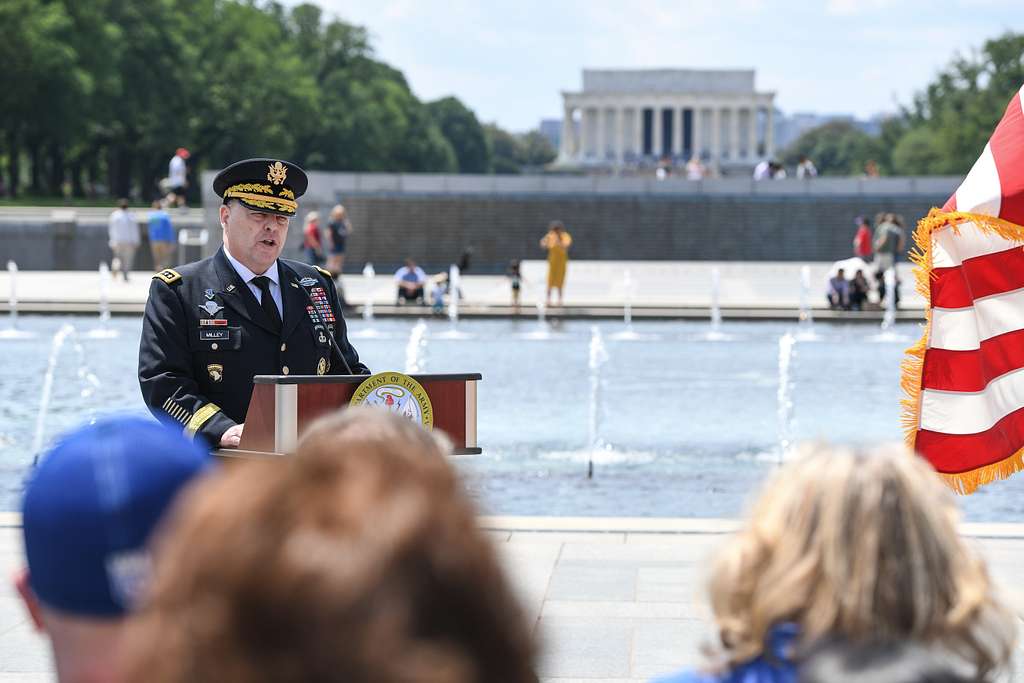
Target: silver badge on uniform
(209,294)
(307,282)
(211,307)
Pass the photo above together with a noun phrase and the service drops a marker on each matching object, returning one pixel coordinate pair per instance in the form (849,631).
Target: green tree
(254,95)
(368,118)
(919,152)
(836,148)
(506,156)
(41,84)
(960,108)
(464,133)
(536,150)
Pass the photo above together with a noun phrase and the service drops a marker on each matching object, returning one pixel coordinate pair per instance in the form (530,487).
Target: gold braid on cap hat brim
(262,201)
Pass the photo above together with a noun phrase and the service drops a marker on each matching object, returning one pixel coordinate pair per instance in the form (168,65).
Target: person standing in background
(176,177)
(862,240)
(161,236)
(124,238)
(312,246)
(515,276)
(338,229)
(889,242)
(557,243)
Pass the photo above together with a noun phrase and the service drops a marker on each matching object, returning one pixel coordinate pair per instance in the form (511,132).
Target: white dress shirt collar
(246,274)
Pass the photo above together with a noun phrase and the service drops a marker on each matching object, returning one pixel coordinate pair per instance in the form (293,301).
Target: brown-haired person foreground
(851,546)
(357,560)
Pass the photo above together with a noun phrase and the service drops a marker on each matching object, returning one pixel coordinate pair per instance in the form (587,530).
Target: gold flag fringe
(912,367)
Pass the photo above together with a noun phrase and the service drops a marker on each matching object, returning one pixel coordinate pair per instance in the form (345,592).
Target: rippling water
(688,426)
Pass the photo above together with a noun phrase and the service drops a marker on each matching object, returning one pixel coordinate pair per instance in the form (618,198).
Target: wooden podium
(282,406)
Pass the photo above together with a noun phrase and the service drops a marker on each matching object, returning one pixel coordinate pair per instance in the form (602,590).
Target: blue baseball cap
(91,505)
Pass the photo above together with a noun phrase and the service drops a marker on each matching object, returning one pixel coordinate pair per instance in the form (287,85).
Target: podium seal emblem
(399,393)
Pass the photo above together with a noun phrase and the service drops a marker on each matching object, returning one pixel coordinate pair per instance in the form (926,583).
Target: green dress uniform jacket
(205,336)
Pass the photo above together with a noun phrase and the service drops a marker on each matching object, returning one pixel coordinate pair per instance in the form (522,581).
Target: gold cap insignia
(277,173)
(216,371)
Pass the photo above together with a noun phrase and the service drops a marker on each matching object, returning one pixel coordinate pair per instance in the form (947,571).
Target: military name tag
(214,335)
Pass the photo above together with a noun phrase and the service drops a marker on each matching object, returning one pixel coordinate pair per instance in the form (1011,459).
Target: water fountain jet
(805,324)
(12,331)
(598,357)
(368,331)
(414,349)
(784,395)
(103,331)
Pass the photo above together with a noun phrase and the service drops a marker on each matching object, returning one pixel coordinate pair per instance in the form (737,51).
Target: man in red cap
(176,172)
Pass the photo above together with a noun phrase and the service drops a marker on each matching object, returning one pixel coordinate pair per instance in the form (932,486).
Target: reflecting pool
(687,423)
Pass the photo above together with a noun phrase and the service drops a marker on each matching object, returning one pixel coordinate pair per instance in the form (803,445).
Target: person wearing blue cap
(89,509)
(212,325)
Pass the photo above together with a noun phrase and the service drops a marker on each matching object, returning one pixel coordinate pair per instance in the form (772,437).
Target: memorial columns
(568,146)
(716,135)
(752,134)
(677,130)
(734,133)
(638,131)
(584,137)
(620,134)
(606,123)
(696,146)
(656,132)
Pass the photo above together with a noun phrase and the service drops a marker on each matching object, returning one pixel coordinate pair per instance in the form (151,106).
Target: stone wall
(434,229)
(433,217)
(42,241)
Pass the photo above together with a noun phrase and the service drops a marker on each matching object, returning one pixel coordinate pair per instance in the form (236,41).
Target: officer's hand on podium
(232,437)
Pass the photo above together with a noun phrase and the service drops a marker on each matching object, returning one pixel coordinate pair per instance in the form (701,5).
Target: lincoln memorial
(638,116)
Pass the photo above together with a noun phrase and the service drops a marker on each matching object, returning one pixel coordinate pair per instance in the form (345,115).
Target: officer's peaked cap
(269,185)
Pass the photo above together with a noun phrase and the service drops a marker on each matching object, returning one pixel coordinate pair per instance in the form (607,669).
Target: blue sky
(509,60)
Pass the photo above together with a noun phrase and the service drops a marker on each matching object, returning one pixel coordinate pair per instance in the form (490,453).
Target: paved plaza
(613,599)
(597,288)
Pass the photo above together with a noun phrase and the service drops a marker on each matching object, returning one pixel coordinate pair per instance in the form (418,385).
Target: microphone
(330,335)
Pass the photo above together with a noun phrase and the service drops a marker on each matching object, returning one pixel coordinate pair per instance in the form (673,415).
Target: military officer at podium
(212,325)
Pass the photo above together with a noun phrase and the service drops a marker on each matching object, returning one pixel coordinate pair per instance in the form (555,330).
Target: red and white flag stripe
(967,382)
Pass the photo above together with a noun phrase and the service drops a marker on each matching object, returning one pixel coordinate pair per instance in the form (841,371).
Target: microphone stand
(330,335)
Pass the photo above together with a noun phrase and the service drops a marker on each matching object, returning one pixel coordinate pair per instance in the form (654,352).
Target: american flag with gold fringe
(964,380)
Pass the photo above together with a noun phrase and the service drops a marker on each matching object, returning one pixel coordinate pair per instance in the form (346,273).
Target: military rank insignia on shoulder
(168,275)
(326,273)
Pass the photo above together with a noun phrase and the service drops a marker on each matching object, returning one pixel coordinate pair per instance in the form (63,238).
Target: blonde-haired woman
(851,546)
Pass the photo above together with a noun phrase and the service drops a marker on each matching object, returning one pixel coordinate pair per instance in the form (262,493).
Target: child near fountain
(515,277)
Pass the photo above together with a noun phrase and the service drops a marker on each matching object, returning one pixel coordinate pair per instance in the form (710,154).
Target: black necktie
(267,301)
